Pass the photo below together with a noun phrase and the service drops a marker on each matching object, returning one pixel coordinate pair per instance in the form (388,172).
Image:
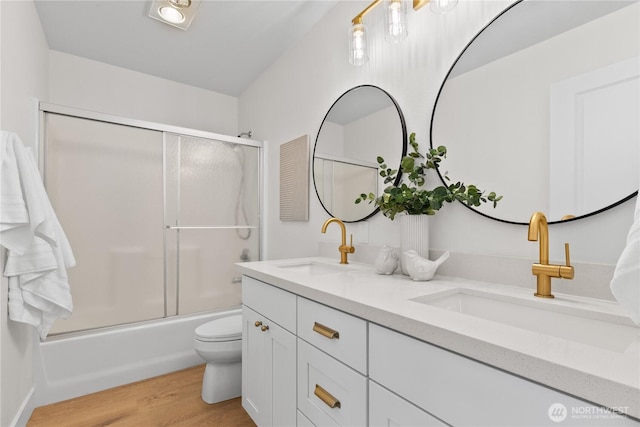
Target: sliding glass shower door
(156,220)
(211,218)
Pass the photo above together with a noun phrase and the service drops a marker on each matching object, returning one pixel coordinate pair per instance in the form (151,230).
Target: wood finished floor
(169,400)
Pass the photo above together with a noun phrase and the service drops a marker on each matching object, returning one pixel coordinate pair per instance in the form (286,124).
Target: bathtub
(76,365)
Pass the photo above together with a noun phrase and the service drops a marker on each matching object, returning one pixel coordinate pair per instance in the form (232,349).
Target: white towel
(38,250)
(625,284)
(15,229)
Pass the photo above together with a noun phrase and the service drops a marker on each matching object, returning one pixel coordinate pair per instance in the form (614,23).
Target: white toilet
(219,343)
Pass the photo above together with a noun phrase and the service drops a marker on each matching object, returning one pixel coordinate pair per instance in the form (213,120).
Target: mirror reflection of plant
(412,198)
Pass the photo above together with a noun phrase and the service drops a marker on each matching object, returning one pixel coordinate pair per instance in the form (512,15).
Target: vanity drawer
(302,421)
(324,382)
(387,409)
(437,380)
(337,333)
(274,303)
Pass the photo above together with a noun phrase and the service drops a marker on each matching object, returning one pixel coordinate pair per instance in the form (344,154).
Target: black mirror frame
(433,113)
(404,146)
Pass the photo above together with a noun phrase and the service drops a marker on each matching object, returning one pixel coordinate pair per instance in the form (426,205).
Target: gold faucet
(544,271)
(344,249)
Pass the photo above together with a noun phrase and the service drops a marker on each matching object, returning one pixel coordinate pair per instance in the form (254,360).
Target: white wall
(30,73)
(83,83)
(24,65)
(294,94)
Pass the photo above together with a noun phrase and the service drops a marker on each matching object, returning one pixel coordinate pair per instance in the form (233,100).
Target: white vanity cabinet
(268,354)
(339,334)
(463,392)
(388,409)
(332,366)
(318,366)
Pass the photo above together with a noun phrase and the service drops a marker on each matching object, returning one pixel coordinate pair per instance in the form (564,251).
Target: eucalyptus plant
(413,198)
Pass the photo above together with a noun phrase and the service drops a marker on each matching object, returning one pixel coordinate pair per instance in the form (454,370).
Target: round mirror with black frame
(547,115)
(363,123)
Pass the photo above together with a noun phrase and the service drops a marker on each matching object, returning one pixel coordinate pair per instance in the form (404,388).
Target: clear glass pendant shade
(395,19)
(358,50)
(442,6)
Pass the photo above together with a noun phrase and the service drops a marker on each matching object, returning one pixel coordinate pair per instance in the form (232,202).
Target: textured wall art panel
(294,180)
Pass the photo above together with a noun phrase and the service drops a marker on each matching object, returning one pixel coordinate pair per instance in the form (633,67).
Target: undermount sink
(574,324)
(315,268)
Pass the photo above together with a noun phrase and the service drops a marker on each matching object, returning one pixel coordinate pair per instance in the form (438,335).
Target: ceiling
(228,45)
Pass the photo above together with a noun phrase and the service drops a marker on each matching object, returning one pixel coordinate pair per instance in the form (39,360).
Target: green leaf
(411,196)
(407,164)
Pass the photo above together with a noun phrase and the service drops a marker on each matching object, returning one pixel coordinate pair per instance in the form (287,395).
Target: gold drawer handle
(326,397)
(264,328)
(258,323)
(326,331)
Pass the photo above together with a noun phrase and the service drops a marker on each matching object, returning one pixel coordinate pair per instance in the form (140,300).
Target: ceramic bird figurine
(386,261)
(420,268)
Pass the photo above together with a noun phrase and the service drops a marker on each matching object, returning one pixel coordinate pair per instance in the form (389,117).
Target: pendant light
(358,51)
(442,6)
(395,19)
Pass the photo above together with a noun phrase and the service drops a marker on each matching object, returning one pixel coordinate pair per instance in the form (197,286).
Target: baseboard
(26,409)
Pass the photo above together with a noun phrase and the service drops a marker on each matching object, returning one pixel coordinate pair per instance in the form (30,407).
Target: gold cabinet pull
(326,397)
(264,328)
(326,331)
(258,323)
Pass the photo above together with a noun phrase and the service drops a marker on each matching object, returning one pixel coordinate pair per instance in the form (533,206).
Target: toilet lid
(226,328)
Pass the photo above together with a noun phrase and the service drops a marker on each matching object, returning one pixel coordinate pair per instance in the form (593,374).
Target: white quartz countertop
(605,374)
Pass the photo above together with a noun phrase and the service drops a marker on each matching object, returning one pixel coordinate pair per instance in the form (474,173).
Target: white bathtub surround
(625,285)
(38,250)
(82,363)
(589,367)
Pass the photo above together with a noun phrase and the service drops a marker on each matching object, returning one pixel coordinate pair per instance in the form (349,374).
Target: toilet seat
(228,328)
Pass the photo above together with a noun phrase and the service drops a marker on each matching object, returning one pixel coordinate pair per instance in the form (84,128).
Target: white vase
(414,234)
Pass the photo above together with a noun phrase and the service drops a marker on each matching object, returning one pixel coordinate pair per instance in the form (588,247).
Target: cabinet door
(387,409)
(268,371)
(256,398)
(282,357)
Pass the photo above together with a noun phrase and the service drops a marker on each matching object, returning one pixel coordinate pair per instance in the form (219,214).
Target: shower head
(247,134)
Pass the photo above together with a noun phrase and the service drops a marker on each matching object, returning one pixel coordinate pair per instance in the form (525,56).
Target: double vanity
(332,344)
(328,343)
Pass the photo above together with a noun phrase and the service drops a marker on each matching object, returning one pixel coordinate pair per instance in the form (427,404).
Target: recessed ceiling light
(177,13)
(171,14)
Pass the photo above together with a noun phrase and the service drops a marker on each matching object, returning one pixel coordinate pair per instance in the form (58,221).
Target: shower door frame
(48,108)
